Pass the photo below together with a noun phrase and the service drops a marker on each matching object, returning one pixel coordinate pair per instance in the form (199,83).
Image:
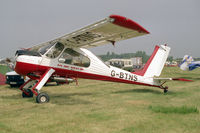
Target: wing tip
(128,23)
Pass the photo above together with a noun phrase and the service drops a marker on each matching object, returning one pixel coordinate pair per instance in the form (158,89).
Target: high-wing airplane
(188,64)
(66,58)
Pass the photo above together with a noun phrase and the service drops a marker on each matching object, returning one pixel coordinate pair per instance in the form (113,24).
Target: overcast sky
(25,23)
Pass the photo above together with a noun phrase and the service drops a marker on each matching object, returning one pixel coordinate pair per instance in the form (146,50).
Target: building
(121,63)
(137,61)
(132,62)
(171,64)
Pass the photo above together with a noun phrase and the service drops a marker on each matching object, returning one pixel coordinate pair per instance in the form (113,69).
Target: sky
(25,23)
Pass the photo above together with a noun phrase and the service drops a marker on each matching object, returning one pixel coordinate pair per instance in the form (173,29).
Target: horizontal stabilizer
(170,79)
(182,79)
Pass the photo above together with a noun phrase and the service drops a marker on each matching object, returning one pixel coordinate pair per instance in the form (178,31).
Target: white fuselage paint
(96,67)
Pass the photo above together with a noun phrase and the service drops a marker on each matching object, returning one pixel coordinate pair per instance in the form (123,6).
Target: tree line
(145,57)
(112,55)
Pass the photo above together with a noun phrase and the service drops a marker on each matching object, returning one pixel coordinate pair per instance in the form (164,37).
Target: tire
(165,90)
(42,98)
(29,92)
(12,86)
(57,83)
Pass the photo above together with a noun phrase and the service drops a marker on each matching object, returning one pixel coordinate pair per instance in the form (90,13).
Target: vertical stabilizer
(156,62)
(184,65)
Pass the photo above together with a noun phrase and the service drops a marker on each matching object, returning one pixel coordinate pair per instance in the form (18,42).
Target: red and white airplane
(66,58)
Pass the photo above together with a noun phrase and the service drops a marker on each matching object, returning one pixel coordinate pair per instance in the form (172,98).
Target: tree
(170,58)
(112,55)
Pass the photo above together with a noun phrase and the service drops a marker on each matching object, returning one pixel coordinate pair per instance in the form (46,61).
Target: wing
(112,29)
(194,65)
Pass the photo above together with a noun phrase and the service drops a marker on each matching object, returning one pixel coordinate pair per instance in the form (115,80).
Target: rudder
(156,62)
(184,65)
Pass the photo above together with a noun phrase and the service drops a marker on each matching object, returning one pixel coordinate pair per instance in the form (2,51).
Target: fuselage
(75,63)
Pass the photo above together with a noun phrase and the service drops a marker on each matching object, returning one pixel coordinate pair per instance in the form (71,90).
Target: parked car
(14,79)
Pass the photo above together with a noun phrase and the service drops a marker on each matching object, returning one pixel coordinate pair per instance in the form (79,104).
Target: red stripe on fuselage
(70,73)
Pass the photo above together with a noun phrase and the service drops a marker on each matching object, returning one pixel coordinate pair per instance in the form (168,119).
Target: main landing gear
(33,87)
(42,98)
(165,88)
(27,93)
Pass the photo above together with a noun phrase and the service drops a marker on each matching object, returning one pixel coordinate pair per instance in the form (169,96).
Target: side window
(55,50)
(72,57)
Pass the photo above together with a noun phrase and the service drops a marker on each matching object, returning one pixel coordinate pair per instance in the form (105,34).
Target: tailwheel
(165,90)
(27,93)
(42,98)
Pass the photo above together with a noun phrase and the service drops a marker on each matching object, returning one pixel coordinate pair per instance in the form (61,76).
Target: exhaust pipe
(63,80)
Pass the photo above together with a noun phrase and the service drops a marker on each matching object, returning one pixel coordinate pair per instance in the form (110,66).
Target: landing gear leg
(42,97)
(36,86)
(165,88)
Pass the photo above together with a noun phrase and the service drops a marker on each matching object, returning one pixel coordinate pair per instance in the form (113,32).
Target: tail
(184,65)
(156,62)
(188,63)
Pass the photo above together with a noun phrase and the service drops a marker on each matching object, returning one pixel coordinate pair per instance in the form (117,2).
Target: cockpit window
(72,57)
(55,50)
(44,49)
(52,50)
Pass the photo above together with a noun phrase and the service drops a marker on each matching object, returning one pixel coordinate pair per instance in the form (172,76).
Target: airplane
(67,58)
(188,64)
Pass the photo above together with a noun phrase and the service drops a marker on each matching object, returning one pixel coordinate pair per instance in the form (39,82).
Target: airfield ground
(106,107)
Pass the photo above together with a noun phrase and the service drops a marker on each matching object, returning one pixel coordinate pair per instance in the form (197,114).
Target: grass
(98,106)
(4,69)
(172,109)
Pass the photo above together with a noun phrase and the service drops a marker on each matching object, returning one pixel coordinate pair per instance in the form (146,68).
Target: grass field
(106,107)
(4,69)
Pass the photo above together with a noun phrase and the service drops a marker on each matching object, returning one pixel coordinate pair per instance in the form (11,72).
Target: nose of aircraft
(26,61)
(25,64)
(20,65)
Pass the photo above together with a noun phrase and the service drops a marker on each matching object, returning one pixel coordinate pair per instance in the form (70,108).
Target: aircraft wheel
(165,90)
(57,83)
(29,92)
(42,98)
(12,86)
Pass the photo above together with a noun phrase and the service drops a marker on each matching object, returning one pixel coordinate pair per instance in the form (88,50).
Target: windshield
(44,49)
(55,50)
(52,50)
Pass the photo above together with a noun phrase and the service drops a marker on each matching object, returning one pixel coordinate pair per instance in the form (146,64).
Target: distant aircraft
(188,64)
(66,58)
